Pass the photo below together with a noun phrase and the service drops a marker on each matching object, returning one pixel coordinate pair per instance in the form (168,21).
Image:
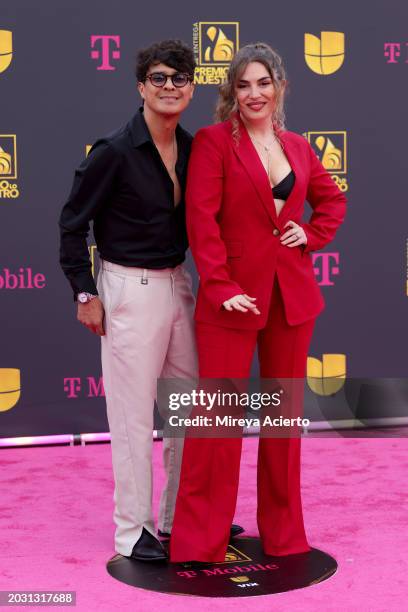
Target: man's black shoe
(148,548)
(235,530)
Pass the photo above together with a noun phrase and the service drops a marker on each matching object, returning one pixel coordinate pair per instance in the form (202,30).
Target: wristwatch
(84,297)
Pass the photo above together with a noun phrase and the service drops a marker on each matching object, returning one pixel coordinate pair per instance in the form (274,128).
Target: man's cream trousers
(149,334)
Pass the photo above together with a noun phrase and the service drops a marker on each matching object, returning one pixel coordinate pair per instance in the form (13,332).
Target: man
(132,186)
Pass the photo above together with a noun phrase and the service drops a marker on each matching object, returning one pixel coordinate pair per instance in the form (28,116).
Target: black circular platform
(246,572)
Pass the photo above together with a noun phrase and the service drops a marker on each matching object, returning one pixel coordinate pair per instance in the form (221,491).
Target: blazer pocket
(234,248)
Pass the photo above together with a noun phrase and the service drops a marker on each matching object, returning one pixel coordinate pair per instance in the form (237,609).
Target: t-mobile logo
(109,46)
(325,266)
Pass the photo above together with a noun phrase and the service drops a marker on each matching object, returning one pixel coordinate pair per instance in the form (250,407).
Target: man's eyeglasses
(159,79)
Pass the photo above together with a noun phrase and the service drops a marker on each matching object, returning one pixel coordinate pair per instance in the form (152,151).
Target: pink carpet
(57,533)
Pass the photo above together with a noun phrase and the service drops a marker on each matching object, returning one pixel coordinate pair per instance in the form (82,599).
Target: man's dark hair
(174,53)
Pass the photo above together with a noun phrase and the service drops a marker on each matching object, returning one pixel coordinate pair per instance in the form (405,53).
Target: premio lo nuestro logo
(214,44)
(239,572)
(331,148)
(10,388)
(8,167)
(324,55)
(6,49)
(328,375)
(233,555)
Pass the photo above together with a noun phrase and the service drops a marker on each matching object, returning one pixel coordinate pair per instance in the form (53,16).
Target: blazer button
(276,232)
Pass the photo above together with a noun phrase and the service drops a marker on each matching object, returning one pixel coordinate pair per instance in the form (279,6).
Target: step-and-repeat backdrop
(67,77)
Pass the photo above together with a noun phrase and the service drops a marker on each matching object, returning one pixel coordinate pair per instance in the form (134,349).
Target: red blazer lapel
(294,162)
(249,158)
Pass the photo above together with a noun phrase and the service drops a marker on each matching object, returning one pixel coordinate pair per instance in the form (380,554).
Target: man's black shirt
(124,187)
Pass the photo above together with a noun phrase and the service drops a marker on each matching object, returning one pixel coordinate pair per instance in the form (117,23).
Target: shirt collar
(138,129)
(140,132)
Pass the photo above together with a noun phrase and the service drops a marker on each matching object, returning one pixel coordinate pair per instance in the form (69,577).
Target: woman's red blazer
(234,230)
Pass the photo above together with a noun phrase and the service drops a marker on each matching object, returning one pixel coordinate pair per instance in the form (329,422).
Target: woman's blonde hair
(264,54)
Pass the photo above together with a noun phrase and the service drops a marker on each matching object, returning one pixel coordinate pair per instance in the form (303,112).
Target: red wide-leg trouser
(210,469)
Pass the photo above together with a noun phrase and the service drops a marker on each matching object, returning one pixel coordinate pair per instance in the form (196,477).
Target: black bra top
(282,190)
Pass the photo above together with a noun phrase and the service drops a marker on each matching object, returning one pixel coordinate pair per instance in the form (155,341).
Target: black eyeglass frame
(189,79)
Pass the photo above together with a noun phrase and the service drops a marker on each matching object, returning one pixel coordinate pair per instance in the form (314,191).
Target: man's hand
(91,315)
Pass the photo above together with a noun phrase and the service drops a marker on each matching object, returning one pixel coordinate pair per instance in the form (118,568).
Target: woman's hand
(295,236)
(242,303)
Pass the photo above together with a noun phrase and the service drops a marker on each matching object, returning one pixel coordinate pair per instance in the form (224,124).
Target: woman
(247,184)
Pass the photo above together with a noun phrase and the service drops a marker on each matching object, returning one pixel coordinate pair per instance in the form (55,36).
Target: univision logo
(240,579)
(10,388)
(326,377)
(324,55)
(6,49)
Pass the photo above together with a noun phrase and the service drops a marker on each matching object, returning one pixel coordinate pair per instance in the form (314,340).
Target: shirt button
(276,232)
